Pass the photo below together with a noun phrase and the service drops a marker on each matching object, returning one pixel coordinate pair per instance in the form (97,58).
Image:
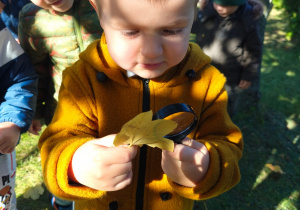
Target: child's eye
(171,32)
(130,33)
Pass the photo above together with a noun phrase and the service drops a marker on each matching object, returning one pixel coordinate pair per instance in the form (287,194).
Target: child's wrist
(71,176)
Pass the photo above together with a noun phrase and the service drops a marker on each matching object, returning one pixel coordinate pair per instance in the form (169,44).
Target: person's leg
(7,182)
(233,92)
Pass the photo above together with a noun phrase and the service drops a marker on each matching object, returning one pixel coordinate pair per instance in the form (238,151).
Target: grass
(271,132)
(270,164)
(29,174)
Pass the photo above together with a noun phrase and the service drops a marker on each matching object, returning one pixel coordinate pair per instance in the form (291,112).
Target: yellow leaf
(275,168)
(27,193)
(142,130)
(39,189)
(33,192)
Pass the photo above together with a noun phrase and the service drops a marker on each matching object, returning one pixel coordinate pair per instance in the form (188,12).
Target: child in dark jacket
(18,92)
(228,32)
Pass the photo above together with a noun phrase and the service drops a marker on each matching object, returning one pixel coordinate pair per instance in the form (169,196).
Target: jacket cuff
(203,190)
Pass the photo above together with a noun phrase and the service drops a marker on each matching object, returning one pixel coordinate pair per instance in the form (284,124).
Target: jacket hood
(98,57)
(258,8)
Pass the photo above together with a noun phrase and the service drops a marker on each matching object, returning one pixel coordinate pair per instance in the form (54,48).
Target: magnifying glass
(181,113)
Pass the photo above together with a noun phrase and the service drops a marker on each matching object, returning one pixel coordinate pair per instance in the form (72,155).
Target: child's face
(57,5)
(146,38)
(225,11)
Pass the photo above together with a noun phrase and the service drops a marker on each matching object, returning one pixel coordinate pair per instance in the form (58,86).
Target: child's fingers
(106,141)
(114,155)
(117,155)
(116,170)
(195,144)
(114,178)
(5,150)
(184,153)
(126,180)
(122,181)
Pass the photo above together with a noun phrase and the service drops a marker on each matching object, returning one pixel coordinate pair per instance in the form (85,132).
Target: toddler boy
(143,62)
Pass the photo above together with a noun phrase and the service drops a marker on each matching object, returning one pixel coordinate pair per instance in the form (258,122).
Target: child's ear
(93,4)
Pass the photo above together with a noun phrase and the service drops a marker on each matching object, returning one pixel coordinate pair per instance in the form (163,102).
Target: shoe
(60,207)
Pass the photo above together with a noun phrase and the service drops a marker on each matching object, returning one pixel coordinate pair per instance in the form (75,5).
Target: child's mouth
(152,65)
(57,3)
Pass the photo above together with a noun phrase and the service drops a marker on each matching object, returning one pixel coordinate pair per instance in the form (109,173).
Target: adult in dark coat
(232,41)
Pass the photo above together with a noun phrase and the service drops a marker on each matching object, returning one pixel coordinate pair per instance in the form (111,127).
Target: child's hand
(101,167)
(1,7)
(35,127)
(188,164)
(9,137)
(244,84)
(202,4)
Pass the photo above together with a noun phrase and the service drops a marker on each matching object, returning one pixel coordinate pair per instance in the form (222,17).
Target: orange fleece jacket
(90,109)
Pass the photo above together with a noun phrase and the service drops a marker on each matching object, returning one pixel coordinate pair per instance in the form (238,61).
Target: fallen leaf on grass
(275,168)
(142,130)
(34,192)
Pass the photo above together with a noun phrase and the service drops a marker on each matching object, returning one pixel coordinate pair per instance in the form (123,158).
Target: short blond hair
(163,1)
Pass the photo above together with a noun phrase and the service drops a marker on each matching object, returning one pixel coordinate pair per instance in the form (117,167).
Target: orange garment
(90,109)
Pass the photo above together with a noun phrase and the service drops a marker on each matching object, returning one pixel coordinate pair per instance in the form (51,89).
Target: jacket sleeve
(223,140)
(30,40)
(65,134)
(19,80)
(252,55)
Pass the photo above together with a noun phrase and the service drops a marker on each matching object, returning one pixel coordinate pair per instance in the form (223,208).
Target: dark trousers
(234,92)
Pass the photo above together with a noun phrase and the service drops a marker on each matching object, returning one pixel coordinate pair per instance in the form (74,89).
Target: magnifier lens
(183,119)
(181,113)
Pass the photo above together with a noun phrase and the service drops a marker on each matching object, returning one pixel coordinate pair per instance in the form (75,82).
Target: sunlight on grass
(291,122)
(263,175)
(290,73)
(286,202)
(286,99)
(295,140)
(28,163)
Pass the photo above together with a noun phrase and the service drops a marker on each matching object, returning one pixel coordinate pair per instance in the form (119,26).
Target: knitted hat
(230,2)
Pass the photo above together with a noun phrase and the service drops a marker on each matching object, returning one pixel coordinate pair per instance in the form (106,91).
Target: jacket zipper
(77,28)
(143,152)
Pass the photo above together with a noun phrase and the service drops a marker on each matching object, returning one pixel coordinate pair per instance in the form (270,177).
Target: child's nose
(152,46)
(219,7)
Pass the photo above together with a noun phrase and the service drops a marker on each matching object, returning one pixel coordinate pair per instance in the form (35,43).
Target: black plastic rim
(172,109)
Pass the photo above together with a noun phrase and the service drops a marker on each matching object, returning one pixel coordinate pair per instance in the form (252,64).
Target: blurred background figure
(9,10)
(229,32)
(53,35)
(18,93)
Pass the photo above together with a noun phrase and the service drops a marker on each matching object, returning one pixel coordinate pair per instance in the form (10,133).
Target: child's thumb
(106,141)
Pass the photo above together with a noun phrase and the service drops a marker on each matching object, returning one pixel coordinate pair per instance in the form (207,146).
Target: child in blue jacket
(18,91)
(10,14)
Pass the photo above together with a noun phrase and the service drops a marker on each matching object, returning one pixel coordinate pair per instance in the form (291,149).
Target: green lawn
(270,164)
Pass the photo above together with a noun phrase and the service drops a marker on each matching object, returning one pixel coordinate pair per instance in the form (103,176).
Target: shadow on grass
(266,141)
(43,203)
(33,152)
